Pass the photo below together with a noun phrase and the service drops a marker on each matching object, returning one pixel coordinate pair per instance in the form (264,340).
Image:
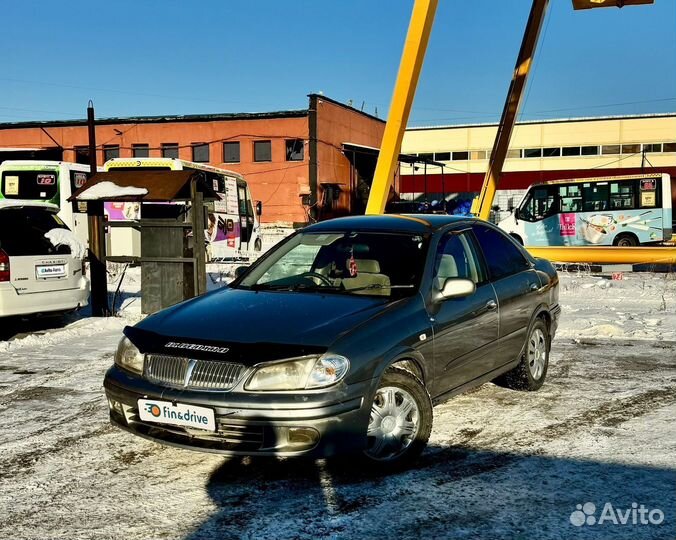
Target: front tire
(400,422)
(530,374)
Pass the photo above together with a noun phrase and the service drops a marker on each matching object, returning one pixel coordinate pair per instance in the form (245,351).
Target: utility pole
(97,246)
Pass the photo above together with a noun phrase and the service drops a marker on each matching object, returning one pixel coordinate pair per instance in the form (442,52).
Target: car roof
(22,203)
(407,223)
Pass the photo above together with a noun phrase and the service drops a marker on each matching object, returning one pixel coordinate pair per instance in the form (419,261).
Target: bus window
(595,197)
(541,202)
(241,191)
(571,198)
(651,194)
(622,195)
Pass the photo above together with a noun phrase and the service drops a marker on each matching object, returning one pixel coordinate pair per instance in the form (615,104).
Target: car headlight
(303,373)
(129,357)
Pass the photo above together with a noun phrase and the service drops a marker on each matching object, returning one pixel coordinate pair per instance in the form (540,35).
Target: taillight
(4,266)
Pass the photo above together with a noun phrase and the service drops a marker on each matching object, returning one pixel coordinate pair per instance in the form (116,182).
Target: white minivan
(41,261)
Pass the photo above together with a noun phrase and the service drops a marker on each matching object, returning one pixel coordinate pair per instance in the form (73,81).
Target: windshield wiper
(294,287)
(380,286)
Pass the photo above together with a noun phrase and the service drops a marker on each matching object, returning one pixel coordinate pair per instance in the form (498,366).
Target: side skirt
(475,382)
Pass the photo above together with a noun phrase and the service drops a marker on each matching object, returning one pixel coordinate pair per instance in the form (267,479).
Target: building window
(262,151)
(532,152)
(610,149)
(200,152)
(669,147)
(656,147)
(551,152)
(514,153)
(231,152)
(140,150)
(570,151)
(82,155)
(442,156)
(477,154)
(295,150)
(170,150)
(110,151)
(428,156)
(589,150)
(460,156)
(631,148)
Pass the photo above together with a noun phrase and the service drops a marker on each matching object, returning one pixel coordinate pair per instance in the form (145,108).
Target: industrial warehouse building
(315,163)
(301,164)
(539,151)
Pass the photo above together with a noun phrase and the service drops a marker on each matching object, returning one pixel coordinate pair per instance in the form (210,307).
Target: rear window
(22,232)
(30,185)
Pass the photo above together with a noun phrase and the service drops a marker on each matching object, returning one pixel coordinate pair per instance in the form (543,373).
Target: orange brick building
(302,164)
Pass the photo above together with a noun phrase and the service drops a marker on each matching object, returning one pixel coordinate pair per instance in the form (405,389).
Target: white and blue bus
(608,211)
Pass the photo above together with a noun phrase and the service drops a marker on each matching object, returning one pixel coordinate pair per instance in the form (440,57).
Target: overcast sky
(150,58)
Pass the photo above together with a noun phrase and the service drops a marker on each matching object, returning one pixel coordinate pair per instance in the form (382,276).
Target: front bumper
(317,424)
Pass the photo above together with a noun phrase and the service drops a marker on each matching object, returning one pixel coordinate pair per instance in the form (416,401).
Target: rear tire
(626,240)
(400,422)
(530,373)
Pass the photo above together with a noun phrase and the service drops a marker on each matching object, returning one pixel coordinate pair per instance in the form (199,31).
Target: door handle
(534,286)
(491,305)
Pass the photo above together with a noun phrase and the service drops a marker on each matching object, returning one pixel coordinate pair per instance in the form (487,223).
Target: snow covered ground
(501,464)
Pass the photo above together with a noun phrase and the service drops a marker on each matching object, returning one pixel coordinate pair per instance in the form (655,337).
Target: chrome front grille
(190,373)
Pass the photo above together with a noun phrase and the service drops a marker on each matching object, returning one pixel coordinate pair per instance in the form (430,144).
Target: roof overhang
(161,186)
(403,158)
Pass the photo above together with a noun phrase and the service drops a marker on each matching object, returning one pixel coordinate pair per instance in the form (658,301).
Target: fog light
(116,406)
(303,435)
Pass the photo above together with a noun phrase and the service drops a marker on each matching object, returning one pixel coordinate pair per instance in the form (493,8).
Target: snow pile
(109,190)
(65,237)
(638,307)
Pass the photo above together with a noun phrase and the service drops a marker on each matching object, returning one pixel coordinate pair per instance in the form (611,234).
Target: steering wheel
(320,277)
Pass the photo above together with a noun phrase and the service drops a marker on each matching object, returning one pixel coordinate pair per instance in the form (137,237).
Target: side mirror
(240,270)
(516,214)
(456,288)
(259,208)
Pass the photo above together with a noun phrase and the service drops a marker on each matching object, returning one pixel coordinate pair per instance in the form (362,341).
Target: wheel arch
(410,360)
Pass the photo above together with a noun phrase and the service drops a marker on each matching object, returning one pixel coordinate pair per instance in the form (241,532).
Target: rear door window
(502,256)
(22,232)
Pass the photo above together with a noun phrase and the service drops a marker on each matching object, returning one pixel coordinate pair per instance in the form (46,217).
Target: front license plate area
(176,414)
(45,271)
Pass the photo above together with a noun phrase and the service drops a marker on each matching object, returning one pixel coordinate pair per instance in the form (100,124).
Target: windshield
(364,263)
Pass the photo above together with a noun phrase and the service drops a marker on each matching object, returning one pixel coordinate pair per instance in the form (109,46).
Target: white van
(41,261)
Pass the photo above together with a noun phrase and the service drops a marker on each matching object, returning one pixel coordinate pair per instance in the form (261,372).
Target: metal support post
(481,206)
(97,244)
(419,30)
(199,249)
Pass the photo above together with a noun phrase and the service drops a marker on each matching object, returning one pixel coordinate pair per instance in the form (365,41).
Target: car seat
(368,273)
